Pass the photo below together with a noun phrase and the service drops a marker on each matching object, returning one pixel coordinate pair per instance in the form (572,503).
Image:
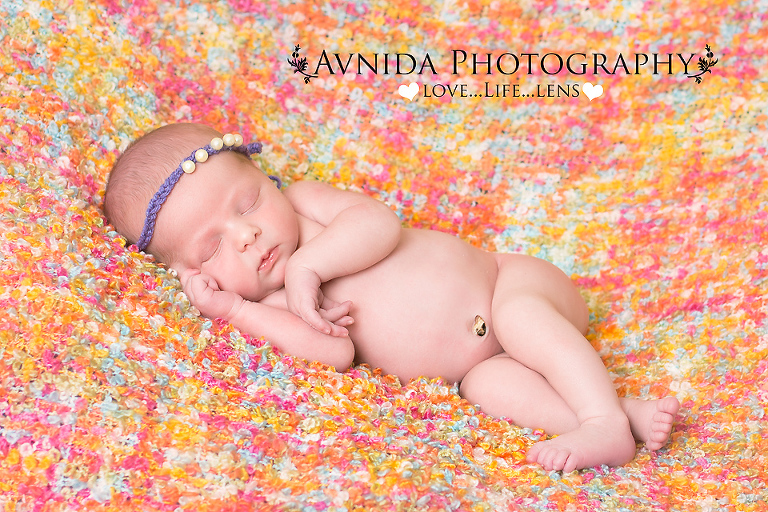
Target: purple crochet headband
(229,142)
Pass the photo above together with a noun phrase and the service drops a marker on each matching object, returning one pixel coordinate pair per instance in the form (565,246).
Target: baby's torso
(415,310)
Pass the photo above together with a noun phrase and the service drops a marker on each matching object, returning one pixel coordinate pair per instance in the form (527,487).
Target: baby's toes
(547,458)
(663,418)
(571,464)
(534,452)
(669,405)
(551,457)
(658,436)
(560,461)
(654,445)
(662,422)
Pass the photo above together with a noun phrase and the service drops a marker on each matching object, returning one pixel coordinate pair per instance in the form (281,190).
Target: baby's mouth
(268,260)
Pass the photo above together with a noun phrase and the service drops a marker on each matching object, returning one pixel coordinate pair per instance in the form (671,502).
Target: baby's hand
(204,293)
(337,314)
(305,299)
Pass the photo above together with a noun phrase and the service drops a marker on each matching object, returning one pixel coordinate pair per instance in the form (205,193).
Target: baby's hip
(520,276)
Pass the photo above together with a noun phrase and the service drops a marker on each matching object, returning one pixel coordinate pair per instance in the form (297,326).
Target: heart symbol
(408,91)
(592,91)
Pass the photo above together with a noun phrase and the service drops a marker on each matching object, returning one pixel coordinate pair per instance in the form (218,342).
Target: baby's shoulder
(310,190)
(316,199)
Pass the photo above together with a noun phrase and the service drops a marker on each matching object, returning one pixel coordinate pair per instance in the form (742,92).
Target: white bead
(201,155)
(229,139)
(188,166)
(217,143)
(238,140)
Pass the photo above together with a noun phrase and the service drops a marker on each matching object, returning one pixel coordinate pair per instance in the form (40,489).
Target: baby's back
(415,310)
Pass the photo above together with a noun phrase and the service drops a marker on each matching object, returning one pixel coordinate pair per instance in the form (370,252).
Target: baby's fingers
(186,276)
(331,328)
(334,313)
(328,304)
(326,327)
(345,321)
(311,315)
(338,331)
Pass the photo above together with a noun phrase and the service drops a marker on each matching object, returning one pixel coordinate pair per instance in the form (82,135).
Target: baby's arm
(282,328)
(359,232)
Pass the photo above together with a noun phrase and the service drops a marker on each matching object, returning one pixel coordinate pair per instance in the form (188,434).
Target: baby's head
(141,170)
(223,218)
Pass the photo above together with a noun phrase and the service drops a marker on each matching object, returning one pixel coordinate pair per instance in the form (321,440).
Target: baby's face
(229,220)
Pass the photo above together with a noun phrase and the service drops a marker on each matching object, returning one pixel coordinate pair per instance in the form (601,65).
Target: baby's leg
(532,331)
(505,388)
(529,304)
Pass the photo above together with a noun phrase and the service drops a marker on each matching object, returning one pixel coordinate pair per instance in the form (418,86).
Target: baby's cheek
(244,284)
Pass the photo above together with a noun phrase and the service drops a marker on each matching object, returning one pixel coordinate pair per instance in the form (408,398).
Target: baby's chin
(258,295)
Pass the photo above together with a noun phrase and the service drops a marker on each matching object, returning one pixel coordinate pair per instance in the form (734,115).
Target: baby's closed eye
(211,250)
(249,204)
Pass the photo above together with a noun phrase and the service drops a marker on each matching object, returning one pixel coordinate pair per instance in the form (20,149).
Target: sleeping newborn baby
(331,275)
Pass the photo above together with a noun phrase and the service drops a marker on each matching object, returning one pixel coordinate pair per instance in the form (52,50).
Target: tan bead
(229,139)
(201,155)
(188,166)
(217,143)
(238,140)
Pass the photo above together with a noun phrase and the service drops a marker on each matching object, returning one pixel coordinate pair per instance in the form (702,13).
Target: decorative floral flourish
(704,64)
(300,65)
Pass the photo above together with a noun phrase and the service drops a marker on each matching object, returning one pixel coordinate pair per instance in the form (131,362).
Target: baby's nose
(245,235)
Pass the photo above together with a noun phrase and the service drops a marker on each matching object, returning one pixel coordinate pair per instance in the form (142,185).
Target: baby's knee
(482,379)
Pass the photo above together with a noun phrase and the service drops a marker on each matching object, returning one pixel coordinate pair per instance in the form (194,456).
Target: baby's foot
(603,440)
(651,420)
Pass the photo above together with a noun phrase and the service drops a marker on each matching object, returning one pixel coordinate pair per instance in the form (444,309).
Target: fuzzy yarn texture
(115,395)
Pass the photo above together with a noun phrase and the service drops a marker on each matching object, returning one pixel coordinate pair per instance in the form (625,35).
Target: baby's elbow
(344,355)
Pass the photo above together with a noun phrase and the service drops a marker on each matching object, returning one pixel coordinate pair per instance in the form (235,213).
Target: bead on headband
(229,142)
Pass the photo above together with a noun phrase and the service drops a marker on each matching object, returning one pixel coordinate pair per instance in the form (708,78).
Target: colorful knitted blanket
(624,142)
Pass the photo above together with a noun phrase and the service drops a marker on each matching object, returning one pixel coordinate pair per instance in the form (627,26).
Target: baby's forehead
(220,174)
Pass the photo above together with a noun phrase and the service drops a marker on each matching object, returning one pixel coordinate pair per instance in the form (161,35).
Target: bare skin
(541,407)
(330,275)
(651,420)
